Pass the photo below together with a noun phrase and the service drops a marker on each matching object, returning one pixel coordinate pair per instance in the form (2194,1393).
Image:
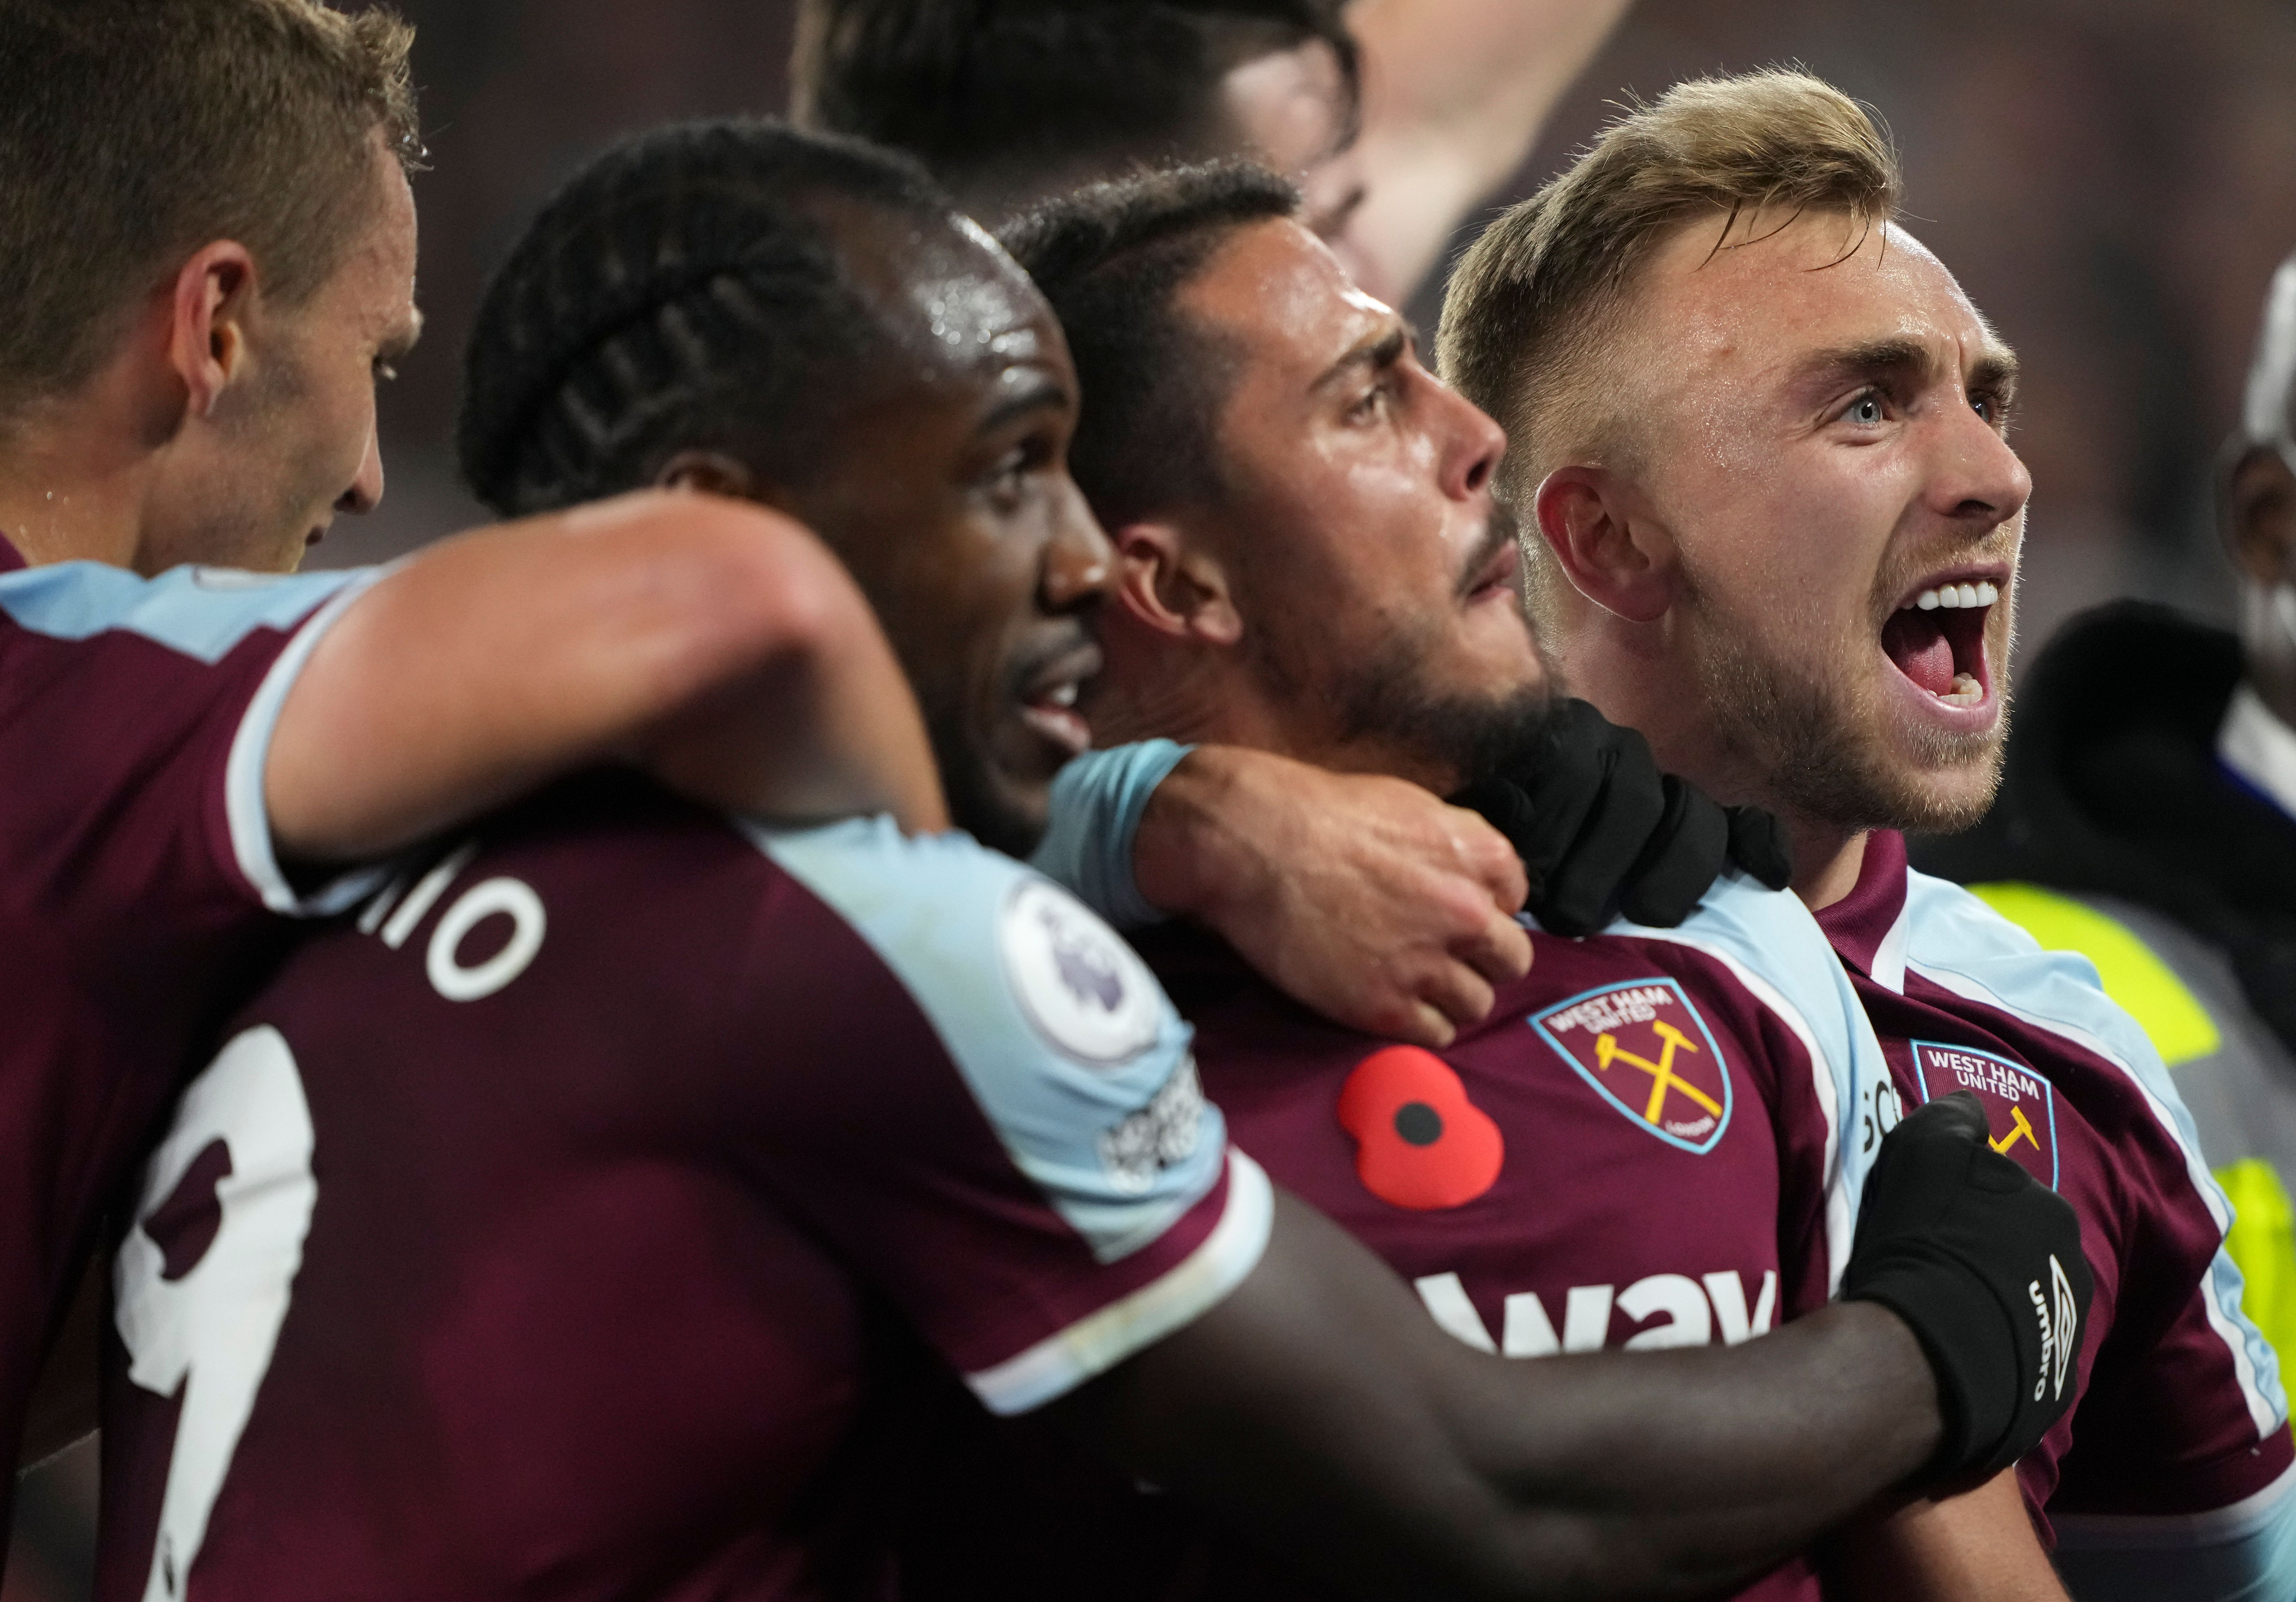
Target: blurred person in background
(2147,820)
(1759,432)
(1396,116)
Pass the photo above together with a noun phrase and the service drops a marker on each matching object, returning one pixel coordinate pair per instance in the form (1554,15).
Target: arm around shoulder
(716,642)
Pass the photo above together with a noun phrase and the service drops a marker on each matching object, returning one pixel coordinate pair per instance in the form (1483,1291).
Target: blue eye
(1865,409)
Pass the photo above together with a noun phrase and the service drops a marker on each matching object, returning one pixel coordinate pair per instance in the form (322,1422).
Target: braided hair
(683,290)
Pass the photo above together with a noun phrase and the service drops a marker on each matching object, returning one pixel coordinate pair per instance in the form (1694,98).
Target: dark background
(2112,180)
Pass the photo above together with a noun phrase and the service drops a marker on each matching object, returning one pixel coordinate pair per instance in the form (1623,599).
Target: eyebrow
(1045,395)
(1996,369)
(1376,354)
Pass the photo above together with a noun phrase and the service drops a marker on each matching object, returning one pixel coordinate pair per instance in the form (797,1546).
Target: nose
(1079,565)
(1979,479)
(1473,446)
(366,491)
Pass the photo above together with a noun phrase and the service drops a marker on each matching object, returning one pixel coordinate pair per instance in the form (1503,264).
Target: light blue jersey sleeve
(2243,1553)
(197,612)
(1773,947)
(1097,803)
(201,614)
(1074,1054)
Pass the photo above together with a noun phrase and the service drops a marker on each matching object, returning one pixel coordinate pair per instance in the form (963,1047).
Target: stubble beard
(1820,746)
(1381,701)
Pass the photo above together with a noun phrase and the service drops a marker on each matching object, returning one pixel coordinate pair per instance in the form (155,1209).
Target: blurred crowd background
(2112,180)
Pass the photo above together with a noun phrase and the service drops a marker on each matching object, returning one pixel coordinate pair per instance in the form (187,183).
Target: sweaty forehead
(959,306)
(1276,290)
(1776,289)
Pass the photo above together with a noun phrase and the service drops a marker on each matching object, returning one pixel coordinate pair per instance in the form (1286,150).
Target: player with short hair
(579,1203)
(1397,117)
(1759,432)
(1647,1144)
(211,245)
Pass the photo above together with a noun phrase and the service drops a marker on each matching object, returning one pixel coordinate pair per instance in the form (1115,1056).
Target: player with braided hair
(211,247)
(586,1197)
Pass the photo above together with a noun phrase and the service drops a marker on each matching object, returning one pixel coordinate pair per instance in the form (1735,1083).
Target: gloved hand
(1601,830)
(1984,1264)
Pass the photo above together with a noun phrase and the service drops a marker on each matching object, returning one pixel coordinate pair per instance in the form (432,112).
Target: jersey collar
(1868,925)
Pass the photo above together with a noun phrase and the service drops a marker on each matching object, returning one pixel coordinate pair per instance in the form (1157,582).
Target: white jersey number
(216,1325)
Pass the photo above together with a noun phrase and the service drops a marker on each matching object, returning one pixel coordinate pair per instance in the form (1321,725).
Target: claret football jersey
(2182,1413)
(137,885)
(1649,1143)
(554,1227)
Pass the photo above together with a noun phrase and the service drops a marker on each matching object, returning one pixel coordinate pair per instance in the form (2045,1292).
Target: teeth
(1957,595)
(1966,692)
(1065,696)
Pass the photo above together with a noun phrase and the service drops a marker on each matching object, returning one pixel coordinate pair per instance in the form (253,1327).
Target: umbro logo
(2060,1318)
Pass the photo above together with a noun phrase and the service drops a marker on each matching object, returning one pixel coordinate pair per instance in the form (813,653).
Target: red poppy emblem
(1419,1143)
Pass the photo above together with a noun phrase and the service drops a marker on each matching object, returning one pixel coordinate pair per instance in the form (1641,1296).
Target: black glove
(1985,1265)
(1600,829)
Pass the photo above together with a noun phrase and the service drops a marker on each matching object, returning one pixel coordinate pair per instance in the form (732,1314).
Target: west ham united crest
(2021,1108)
(1643,1048)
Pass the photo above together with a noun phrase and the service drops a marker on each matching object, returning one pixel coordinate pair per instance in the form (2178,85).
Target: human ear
(712,472)
(214,297)
(2260,517)
(1615,552)
(1173,587)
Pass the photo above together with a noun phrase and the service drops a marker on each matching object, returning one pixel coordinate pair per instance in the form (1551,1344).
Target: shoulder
(1955,941)
(1770,948)
(197,612)
(977,936)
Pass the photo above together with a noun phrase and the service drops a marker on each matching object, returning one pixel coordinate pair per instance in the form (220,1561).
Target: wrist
(1186,858)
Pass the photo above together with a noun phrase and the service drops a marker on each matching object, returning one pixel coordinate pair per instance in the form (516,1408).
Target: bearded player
(1642,1147)
(574,1201)
(1759,432)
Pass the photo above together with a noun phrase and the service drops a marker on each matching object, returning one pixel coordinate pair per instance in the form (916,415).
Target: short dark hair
(1111,258)
(683,289)
(133,131)
(1009,100)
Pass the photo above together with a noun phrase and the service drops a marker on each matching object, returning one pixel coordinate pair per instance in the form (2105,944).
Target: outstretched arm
(1319,1408)
(715,642)
(1454,94)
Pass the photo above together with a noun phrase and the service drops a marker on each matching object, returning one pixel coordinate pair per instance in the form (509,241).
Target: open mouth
(1048,704)
(1937,640)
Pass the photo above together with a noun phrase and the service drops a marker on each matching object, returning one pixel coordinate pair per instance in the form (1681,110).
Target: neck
(1211,702)
(77,474)
(1827,861)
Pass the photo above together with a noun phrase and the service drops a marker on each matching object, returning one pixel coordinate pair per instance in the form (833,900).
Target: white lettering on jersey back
(212,1330)
(1530,1332)
(504,897)
(509,898)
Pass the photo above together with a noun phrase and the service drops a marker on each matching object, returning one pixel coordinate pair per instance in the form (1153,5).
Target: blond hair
(1535,305)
